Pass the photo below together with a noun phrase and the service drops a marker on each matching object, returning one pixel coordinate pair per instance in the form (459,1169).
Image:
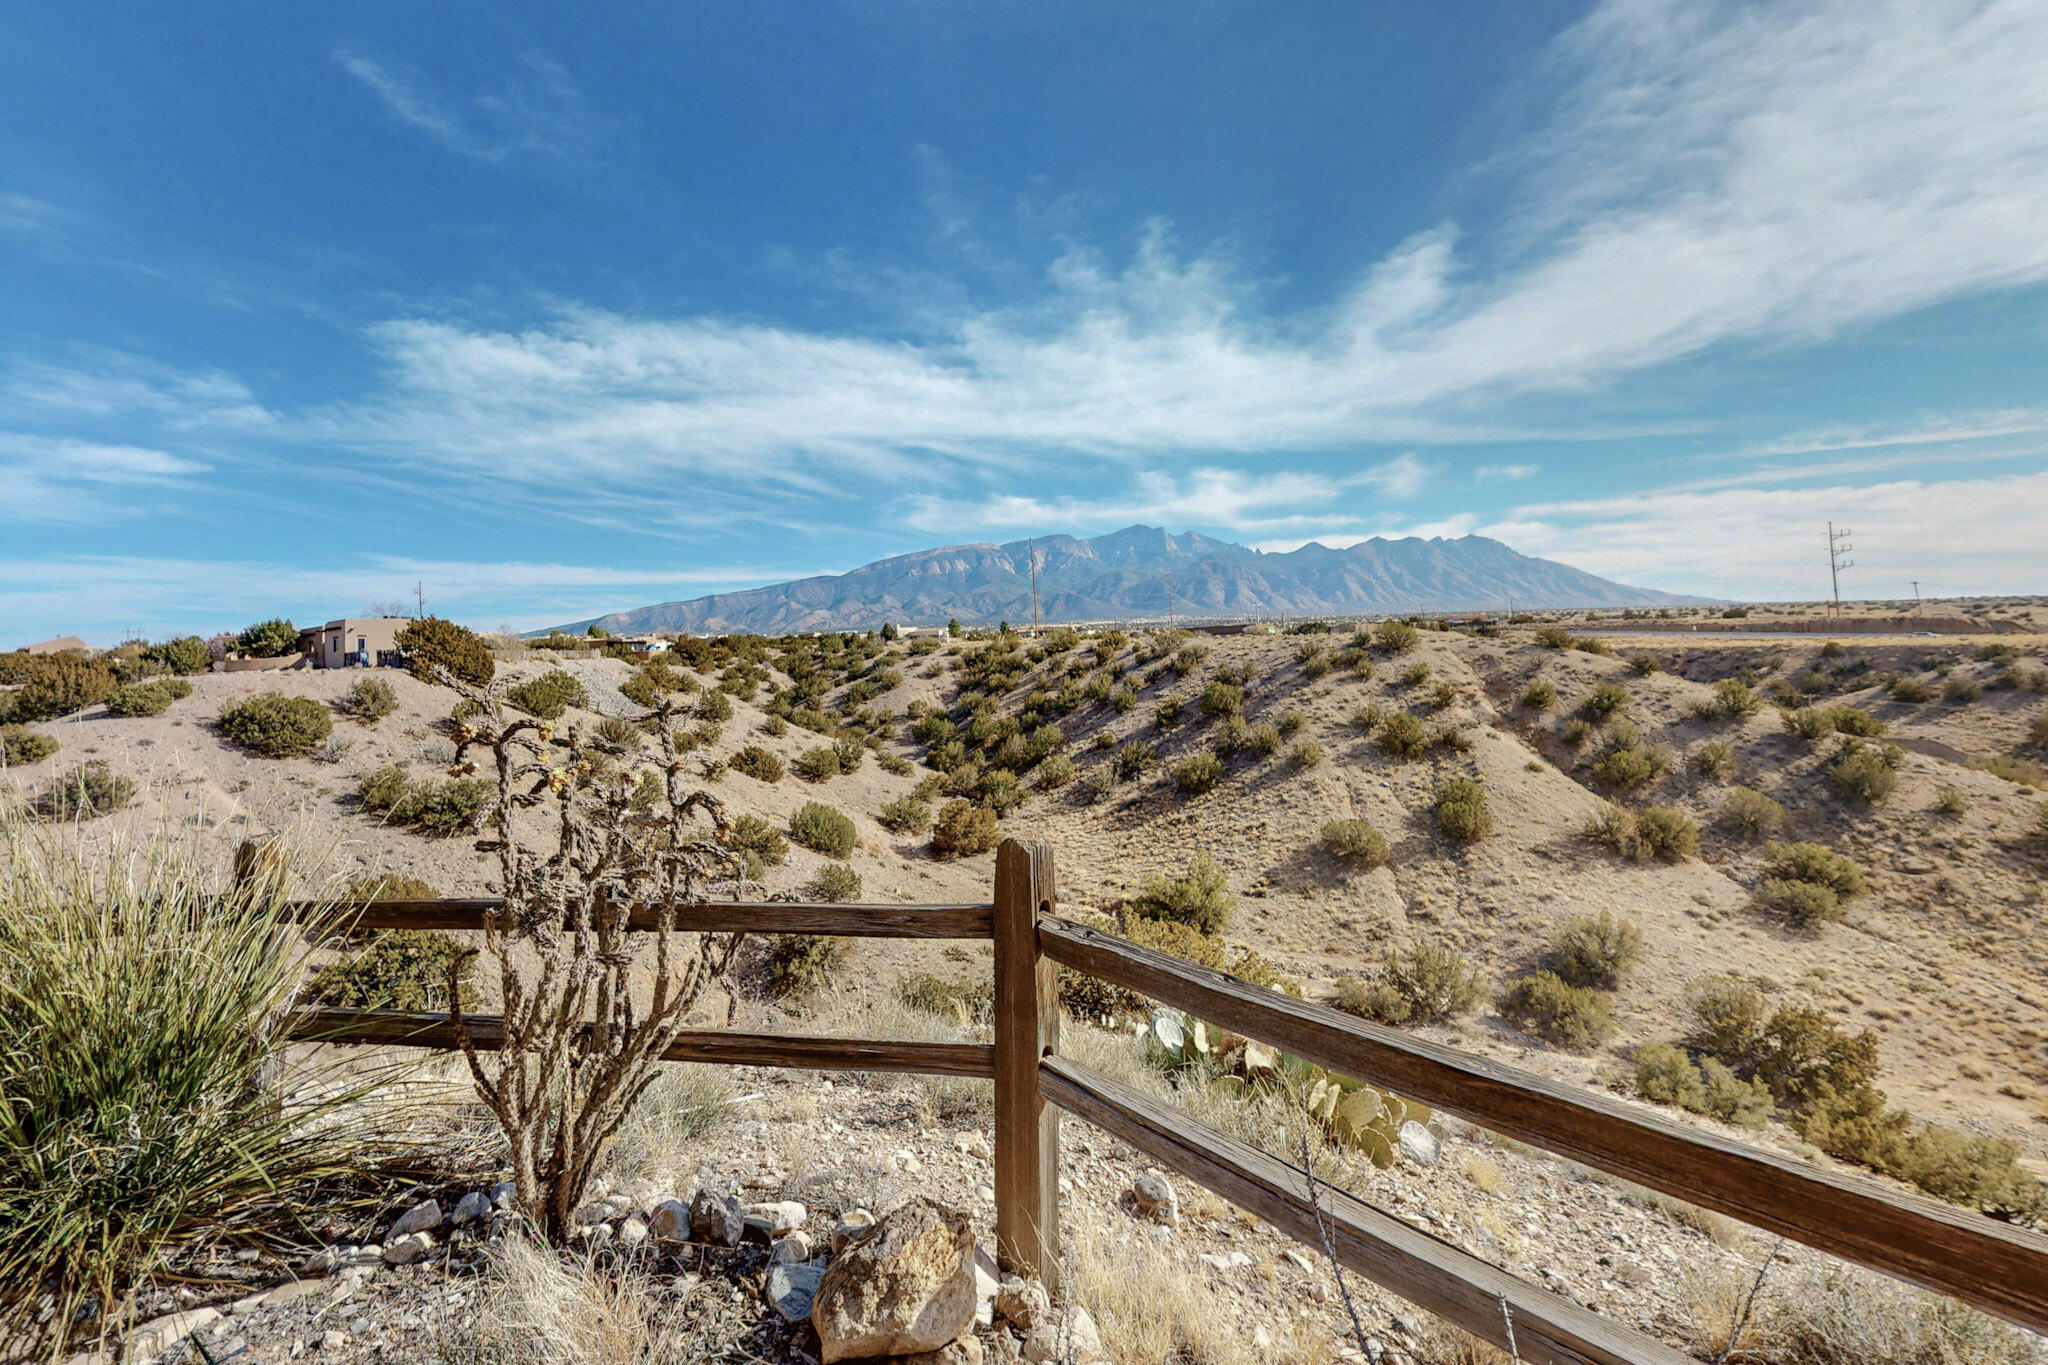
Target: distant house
(641,645)
(354,642)
(63,644)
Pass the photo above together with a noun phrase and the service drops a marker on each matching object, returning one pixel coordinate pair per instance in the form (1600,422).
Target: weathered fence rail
(1998,1268)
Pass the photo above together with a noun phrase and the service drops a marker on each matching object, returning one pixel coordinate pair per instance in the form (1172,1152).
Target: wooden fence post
(1027,1023)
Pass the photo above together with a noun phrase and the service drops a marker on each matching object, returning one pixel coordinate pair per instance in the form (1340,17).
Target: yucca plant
(145,1100)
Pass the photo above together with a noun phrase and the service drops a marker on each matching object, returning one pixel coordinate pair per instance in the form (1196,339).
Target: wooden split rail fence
(1998,1268)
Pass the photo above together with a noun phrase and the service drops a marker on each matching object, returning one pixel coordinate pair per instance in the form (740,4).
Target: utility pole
(419,595)
(1916,597)
(1838,546)
(1034,587)
(1169,604)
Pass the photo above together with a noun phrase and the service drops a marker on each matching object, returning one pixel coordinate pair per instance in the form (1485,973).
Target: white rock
(783,1217)
(421,1217)
(1418,1144)
(160,1334)
(972,1143)
(409,1248)
(1153,1193)
(632,1232)
(790,1249)
(471,1207)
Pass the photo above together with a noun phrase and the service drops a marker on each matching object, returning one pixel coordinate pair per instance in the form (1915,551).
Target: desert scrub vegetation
(1843,1316)
(1461,811)
(797,965)
(277,726)
(1629,764)
(1539,695)
(367,701)
(757,842)
(1199,897)
(1220,698)
(86,792)
(1415,674)
(1553,1009)
(1667,1075)
(270,639)
(1734,699)
(548,695)
(834,882)
(1395,637)
(1606,700)
(1426,984)
(758,763)
(185,654)
(905,815)
(442,806)
(1659,832)
(130,1136)
(53,686)
(819,763)
(962,1002)
(1807,883)
(147,698)
(1866,772)
(1199,772)
(21,746)
(1401,736)
(1356,844)
(1598,951)
(432,644)
(400,969)
(1094,998)
(1749,812)
(963,830)
(1714,760)
(824,829)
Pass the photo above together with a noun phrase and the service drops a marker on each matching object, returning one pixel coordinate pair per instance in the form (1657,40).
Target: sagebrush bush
(1544,1004)
(1750,812)
(1605,700)
(1199,897)
(1539,695)
(1092,997)
(905,815)
(367,701)
(1666,1075)
(817,764)
(1734,699)
(803,964)
(1631,765)
(432,643)
(616,735)
(399,969)
(1728,1016)
(1415,674)
(55,685)
(1810,723)
(548,695)
(1402,736)
(758,763)
(1595,950)
(963,830)
(87,792)
(1864,772)
(824,829)
(1198,772)
(1713,759)
(21,746)
(834,882)
(963,1002)
(1395,637)
(1426,984)
(1055,772)
(1961,690)
(147,699)
(1264,739)
(1305,754)
(1220,698)
(1356,844)
(444,806)
(1814,863)
(1461,811)
(1133,758)
(1804,904)
(1910,690)
(277,726)
(1654,832)
(755,837)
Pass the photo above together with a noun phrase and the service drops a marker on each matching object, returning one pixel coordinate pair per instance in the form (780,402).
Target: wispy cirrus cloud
(56,479)
(537,112)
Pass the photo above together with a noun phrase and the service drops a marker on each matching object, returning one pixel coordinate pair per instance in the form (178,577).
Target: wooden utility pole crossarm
(1027,1028)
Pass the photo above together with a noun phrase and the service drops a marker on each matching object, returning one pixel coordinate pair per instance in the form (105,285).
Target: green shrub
(1576,732)
(1849,720)
(1643,665)
(548,695)
(1428,984)
(186,654)
(802,964)
(277,726)
(1910,690)
(147,699)
(642,690)
(1805,1057)
(714,706)
(398,969)
(754,836)
(963,1002)
(1951,802)
(1402,736)
(1198,772)
(87,792)
(1540,695)
(1630,765)
(1810,723)
(55,685)
(1290,720)
(1264,739)
(1395,637)
(817,764)
(1233,736)
(432,643)
(835,882)
(1813,863)
(1199,897)
(1862,773)
(1305,754)
(1595,950)
(21,746)
(1714,759)
(435,806)
(1356,844)
(824,829)
(1665,1075)
(268,639)
(368,700)
(905,815)
(1415,674)
(1750,812)
(1461,811)
(1544,1004)
(1000,791)
(896,765)
(1166,715)
(963,830)
(1605,700)
(758,763)
(1804,904)
(1728,1016)
(1961,690)
(1055,772)
(850,752)
(1220,698)
(1133,759)
(1092,997)
(1734,699)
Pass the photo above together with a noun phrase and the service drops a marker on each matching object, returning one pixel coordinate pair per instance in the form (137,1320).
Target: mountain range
(1144,572)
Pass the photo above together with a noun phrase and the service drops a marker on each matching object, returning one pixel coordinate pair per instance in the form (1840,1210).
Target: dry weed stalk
(579,1047)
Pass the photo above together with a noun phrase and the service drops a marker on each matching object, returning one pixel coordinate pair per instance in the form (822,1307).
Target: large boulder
(906,1288)
(715,1219)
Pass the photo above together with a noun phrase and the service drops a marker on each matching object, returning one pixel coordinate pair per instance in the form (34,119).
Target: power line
(1838,547)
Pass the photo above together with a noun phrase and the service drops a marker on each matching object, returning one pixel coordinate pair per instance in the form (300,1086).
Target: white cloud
(49,479)
(1486,472)
(537,112)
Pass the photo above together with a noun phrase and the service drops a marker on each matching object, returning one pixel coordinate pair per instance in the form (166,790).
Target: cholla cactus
(587,1018)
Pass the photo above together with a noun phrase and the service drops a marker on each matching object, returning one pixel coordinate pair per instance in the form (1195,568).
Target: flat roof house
(358,642)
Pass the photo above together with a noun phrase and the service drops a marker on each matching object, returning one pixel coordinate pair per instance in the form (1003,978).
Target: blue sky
(574,309)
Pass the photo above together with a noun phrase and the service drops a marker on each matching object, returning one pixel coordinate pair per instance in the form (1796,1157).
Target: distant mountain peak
(1144,572)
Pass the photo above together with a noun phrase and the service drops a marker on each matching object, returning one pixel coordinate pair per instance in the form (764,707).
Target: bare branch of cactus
(580,841)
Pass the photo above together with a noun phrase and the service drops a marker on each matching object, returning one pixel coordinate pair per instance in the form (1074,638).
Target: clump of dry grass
(1150,1311)
(1842,1316)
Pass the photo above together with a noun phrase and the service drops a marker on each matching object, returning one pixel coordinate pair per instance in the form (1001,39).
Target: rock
(291,1291)
(333,1339)
(471,1207)
(504,1194)
(592,1234)
(853,1225)
(716,1219)
(782,1217)
(159,1334)
(421,1217)
(905,1288)
(1068,1335)
(1418,1144)
(1022,1303)
(985,1285)
(589,1215)
(792,1286)
(240,1307)
(412,1247)
(906,1161)
(670,1221)
(1154,1196)
(633,1231)
(972,1143)
(791,1249)
(966,1351)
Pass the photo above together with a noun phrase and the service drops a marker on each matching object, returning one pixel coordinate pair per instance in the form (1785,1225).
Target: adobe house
(355,642)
